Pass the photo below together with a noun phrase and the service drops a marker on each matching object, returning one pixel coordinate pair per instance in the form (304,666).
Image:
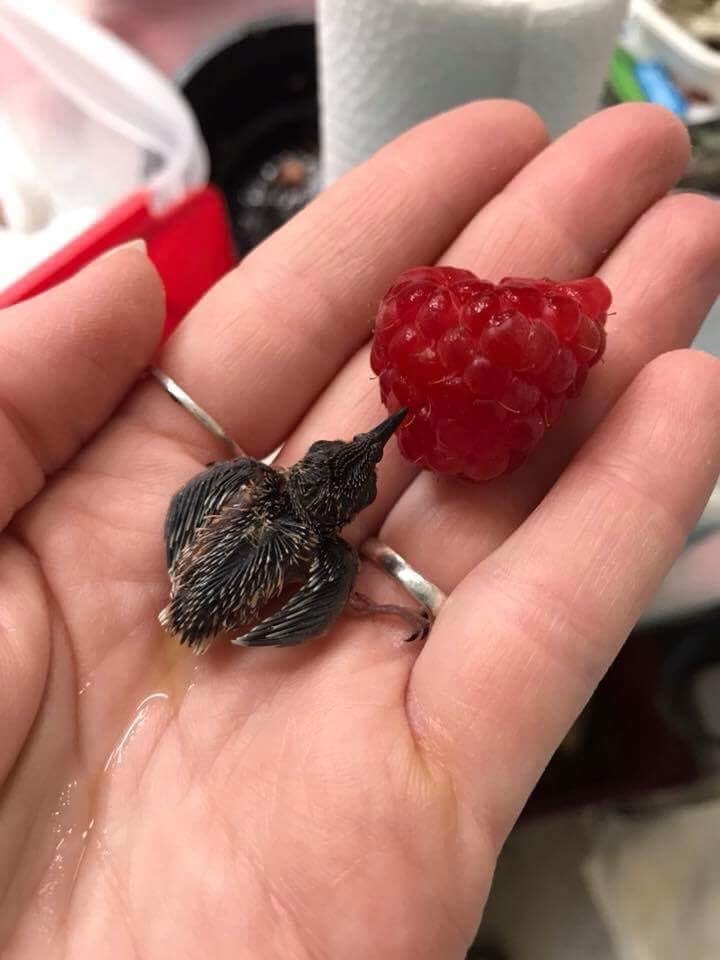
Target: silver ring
(420,589)
(425,593)
(202,416)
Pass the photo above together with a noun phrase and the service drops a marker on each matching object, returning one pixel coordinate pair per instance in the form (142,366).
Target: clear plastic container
(97,147)
(172,33)
(84,123)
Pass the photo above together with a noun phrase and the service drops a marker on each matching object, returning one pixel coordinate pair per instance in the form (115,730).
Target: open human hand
(348,797)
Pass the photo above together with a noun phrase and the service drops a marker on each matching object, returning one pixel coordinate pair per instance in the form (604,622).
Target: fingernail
(138,245)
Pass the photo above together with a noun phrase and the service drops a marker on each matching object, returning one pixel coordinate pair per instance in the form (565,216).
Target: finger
(67,358)
(24,649)
(547,221)
(665,276)
(568,207)
(522,642)
(268,338)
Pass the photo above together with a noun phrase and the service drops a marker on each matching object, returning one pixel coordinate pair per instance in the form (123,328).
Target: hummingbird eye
(376,452)
(321,446)
(372,449)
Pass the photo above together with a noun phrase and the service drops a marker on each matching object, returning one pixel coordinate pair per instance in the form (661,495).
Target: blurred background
(227,117)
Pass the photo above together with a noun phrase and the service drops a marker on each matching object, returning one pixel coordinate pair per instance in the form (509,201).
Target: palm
(183,769)
(344,797)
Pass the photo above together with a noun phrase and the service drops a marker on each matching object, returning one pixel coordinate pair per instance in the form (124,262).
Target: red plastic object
(190,245)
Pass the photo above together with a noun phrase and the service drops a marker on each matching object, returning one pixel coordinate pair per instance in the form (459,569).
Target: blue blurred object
(657,86)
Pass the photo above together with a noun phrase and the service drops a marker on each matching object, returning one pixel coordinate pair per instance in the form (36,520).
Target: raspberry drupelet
(484,369)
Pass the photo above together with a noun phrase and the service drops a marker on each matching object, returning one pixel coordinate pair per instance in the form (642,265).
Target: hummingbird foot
(420,620)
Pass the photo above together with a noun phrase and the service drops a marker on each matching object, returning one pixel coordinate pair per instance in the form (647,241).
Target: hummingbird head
(336,479)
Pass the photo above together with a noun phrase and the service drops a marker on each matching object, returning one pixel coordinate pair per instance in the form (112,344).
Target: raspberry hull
(484,369)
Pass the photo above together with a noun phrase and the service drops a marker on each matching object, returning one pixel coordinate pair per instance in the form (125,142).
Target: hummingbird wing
(236,559)
(318,603)
(203,497)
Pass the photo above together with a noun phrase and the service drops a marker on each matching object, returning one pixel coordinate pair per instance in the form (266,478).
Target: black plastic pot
(255,98)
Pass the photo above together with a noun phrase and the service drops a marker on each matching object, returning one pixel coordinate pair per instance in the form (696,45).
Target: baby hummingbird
(241,532)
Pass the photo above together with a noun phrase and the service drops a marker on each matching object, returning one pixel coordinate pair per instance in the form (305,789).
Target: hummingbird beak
(383,431)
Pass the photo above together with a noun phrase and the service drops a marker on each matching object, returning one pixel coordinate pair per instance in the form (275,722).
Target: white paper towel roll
(388,64)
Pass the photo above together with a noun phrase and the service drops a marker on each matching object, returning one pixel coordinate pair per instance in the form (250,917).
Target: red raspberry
(484,369)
